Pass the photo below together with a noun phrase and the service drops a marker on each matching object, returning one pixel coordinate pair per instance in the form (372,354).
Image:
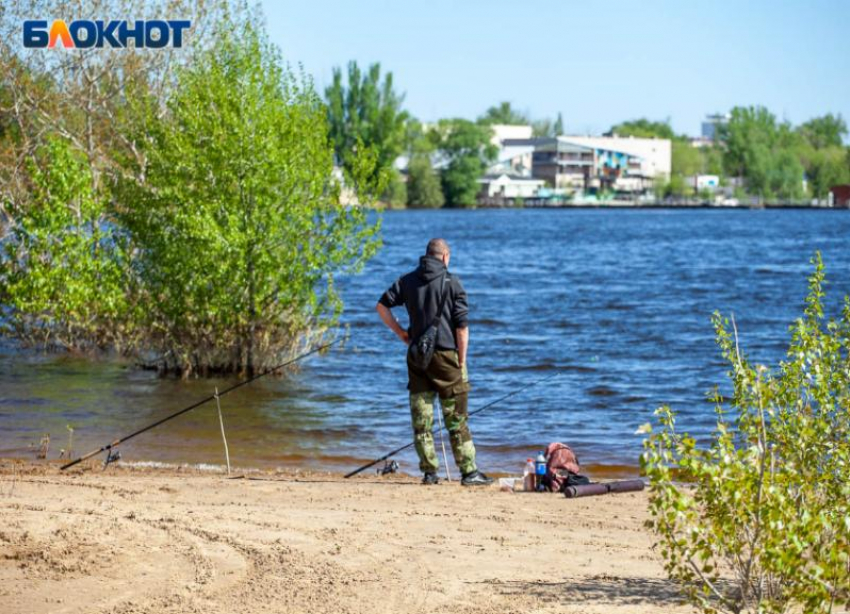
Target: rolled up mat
(585,490)
(625,486)
(589,490)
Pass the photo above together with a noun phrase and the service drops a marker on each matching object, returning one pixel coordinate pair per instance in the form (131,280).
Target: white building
(503,132)
(585,163)
(656,155)
(506,186)
(704,182)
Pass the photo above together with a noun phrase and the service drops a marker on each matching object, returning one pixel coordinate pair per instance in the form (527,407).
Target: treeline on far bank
(179,206)
(754,152)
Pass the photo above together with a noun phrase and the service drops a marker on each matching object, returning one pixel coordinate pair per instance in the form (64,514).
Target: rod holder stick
(221,422)
(443,441)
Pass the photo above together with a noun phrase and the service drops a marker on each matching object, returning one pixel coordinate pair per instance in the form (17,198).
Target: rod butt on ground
(590,490)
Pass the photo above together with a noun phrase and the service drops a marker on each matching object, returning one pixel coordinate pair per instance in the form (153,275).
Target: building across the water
(711,124)
(585,163)
(509,187)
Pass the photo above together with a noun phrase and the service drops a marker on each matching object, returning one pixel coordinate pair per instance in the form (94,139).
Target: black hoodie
(419,291)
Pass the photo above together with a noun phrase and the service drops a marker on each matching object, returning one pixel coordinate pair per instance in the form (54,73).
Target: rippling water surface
(619,301)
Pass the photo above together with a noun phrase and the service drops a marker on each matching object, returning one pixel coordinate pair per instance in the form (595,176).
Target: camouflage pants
(455,416)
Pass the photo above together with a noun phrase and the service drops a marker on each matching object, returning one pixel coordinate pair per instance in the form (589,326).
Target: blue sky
(596,62)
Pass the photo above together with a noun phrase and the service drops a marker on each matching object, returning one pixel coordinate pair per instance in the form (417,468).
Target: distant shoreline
(622,206)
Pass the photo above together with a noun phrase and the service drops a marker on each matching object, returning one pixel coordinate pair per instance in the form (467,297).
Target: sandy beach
(132,540)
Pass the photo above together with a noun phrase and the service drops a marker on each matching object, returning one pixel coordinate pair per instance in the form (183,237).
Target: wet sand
(132,540)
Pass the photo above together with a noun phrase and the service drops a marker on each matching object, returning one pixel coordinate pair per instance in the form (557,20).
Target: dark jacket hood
(430,268)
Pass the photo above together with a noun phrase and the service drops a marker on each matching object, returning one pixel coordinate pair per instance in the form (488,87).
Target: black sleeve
(393,296)
(460,307)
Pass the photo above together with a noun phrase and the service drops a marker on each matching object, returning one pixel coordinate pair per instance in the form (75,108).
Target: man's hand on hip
(392,323)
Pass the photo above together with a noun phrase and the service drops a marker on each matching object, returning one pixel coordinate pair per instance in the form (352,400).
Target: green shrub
(758,520)
(63,272)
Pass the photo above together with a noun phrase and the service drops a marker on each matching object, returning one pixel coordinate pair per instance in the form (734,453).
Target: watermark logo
(99,33)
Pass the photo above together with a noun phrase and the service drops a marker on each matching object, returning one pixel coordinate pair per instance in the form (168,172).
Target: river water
(618,300)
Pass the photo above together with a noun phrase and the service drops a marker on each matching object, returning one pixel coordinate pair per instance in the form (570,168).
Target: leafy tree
(686,160)
(823,132)
(677,186)
(748,138)
(504,113)
(237,220)
(763,152)
(543,127)
(82,96)
(396,192)
(712,160)
(559,125)
(785,177)
(467,148)
(758,519)
(825,168)
(62,274)
(366,111)
(644,128)
(423,184)
(822,153)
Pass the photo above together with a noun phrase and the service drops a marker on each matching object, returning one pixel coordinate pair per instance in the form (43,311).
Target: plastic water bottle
(528,475)
(540,472)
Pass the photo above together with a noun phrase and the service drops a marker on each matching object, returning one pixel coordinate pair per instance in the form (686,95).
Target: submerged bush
(236,215)
(63,277)
(210,242)
(759,520)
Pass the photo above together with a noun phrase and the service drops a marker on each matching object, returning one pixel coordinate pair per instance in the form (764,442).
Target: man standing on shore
(421,292)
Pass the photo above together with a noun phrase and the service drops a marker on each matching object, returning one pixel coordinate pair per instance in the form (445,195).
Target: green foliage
(765,153)
(543,127)
(396,193)
(467,147)
(366,111)
(504,113)
(825,167)
(712,160)
(61,267)
(235,217)
(824,132)
(686,160)
(644,128)
(759,520)
(423,184)
(677,186)
(558,128)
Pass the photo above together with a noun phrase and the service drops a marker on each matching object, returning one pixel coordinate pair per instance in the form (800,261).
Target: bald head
(437,248)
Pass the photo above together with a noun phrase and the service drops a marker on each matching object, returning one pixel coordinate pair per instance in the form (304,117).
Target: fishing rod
(472,413)
(108,447)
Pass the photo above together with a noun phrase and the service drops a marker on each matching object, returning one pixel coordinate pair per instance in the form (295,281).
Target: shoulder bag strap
(436,320)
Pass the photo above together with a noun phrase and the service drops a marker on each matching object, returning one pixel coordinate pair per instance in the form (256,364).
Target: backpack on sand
(562,468)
